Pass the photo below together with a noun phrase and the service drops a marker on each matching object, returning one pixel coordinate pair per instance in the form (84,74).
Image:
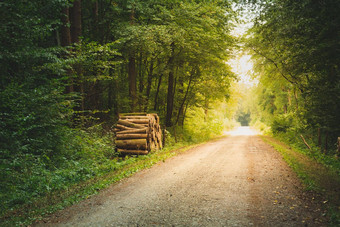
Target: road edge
(314,176)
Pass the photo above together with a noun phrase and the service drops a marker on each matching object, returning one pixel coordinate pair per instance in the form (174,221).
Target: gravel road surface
(236,181)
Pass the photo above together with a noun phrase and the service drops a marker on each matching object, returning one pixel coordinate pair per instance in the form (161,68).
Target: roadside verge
(315,176)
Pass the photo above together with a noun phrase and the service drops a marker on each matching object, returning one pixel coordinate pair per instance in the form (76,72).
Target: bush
(281,123)
(27,177)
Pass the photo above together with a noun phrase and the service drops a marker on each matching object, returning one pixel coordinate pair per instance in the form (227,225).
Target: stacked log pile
(138,133)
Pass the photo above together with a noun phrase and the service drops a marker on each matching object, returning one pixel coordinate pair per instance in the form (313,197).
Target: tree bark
(157,92)
(132,73)
(170,94)
(319,138)
(95,13)
(170,99)
(135,144)
(326,142)
(180,111)
(140,74)
(305,142)
(138,121)
(148,86)
(133,152)
(129,124)
(134,117)
(184,114)
(133,131)
(66,41)
(131,136)
(65,28)
(75,18)
(206,109)
(132,82)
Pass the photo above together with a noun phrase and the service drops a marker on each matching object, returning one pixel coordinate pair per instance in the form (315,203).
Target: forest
(70,67)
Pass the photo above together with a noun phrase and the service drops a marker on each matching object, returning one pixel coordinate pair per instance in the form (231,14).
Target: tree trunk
(184,114)
(157,92)
(296,99)
(206,109)
(170,94)
(95,13)
(326,142)
(65,29)
(148,86)
(180,111)
(75,29)
(75,18)
(140,74)
(170,99)
(289,98)
(140,101)
(66,41)
(132,83)
(319,138)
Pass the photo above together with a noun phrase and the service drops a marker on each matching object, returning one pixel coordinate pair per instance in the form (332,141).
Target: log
(131,136)
(134,117)
(132,144)
(133,152)
(304,141)
(152,146)
(133,131)
(132,114)
(129,124)
(138,121)
(122,127)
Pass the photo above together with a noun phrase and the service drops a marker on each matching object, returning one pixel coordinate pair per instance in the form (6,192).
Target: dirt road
(236,181)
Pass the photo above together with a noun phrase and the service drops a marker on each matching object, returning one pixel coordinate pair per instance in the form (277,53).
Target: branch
(304,141)
(272,61)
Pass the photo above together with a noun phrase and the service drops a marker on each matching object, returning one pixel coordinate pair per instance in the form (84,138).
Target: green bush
(281,123)
(27,177)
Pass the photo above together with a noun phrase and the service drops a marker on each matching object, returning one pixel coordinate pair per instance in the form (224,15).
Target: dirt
(235,181)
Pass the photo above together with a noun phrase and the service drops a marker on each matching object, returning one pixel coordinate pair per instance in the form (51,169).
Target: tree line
(295,48)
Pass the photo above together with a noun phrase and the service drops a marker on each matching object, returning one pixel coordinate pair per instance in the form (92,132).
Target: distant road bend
(235,181)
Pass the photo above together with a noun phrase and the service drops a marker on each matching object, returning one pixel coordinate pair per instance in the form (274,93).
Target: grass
(58,200)
(315,176)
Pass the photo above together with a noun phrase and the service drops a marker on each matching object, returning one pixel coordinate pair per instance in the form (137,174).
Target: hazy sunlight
(242,131)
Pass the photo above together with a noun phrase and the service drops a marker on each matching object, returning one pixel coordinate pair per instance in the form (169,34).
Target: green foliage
(281,124)
(28,176)
(203,124)
(295,49)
